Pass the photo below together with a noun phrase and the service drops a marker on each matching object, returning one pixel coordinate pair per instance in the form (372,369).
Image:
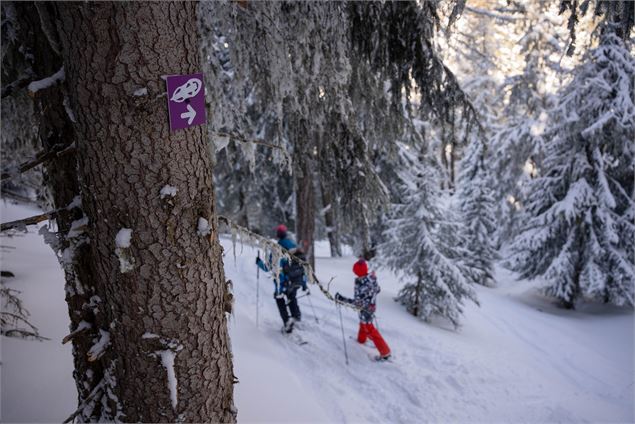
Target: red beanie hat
(360,268)
(281,231)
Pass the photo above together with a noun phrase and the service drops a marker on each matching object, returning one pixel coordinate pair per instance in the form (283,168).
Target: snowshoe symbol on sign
(186,100)
(187,90)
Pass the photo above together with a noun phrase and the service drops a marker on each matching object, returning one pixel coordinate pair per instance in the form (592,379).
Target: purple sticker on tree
(186,101)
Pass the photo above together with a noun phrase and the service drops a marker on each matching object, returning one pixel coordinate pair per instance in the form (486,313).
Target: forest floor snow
(516,358)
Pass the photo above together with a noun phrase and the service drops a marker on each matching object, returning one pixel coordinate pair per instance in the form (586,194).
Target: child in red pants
(366,289)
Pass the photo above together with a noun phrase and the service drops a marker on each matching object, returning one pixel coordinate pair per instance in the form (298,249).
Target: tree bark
(417,307)
(305,206)
(159,302)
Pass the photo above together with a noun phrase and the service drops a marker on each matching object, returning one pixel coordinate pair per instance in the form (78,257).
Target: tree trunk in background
(243,212)
(160,303)
(330,220)
(60,176)
(417,306)
(305,206)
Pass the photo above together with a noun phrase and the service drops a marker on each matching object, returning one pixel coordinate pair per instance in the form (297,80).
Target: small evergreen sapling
(579,227)
(415,247)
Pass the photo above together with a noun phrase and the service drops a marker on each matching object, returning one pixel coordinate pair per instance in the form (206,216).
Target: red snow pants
(368,330)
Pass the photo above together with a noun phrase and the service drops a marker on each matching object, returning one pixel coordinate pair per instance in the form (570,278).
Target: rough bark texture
(173,286)
(305,206)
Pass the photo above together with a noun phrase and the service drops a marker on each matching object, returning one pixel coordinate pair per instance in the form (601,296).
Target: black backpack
(294,270)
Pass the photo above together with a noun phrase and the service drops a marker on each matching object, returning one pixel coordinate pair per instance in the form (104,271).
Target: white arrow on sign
(191,113)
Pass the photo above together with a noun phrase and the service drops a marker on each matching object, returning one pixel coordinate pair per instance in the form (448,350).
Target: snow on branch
(100,346)
(47,82)
(483,12)
(81,327)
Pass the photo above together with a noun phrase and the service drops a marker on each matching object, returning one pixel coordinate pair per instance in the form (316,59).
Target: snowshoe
(380,358)
(288,326)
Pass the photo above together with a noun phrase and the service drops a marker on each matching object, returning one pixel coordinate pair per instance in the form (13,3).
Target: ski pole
(313,309)
(339,310)
(257,291)
(300,297)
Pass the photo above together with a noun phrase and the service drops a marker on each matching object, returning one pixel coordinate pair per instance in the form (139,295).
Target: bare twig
(52,153)
(32,220)
(98,389)
(14,318)
(79,330)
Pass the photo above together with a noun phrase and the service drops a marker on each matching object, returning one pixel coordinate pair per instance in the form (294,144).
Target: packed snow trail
(517,358)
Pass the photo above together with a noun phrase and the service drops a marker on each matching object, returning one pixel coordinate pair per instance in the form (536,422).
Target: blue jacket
(280,283)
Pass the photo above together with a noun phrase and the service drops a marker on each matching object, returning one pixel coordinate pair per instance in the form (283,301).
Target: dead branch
(80,329)
(32,220)
(97,390)
(16,85)
(53,153)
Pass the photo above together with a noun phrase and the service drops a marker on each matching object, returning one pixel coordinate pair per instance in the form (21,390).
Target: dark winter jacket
(282,282)
(366,290)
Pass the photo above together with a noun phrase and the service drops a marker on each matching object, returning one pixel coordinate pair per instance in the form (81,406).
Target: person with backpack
(290,279)
(366,290)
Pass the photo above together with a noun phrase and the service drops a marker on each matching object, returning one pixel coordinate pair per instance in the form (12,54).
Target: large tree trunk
(305,206)
(159,303)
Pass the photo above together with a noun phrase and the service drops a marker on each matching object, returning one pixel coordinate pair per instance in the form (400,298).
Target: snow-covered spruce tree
(314,63)
(579,231)
(516,141)
(476,201)
(415,248)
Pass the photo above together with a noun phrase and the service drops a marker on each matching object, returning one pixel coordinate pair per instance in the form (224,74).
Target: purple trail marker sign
(186,101)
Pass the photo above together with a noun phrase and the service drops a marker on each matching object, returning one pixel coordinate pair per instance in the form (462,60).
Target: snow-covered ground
(36,378)
(517,358)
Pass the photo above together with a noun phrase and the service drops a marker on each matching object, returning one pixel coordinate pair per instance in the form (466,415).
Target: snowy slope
(516,358)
